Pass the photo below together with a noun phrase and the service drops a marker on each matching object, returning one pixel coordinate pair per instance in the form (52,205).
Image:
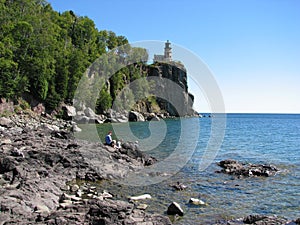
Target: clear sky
(251,46)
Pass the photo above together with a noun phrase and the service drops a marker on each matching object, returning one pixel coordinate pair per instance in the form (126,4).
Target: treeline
(44,53)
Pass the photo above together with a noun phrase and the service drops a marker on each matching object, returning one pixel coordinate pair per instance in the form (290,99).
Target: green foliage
(45,53)
(104,101)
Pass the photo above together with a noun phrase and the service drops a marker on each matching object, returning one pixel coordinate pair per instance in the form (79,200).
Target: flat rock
(236,168)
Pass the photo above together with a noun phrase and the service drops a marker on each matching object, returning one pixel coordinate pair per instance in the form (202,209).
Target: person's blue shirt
(108,139)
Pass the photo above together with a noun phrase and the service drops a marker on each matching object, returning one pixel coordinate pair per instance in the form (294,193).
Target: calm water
(256,138)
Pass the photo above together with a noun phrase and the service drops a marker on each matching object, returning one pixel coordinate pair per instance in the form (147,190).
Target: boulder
(134,116)
(75,128)
(6,106)
(82,119)
(236,168)
(39,109)
(89,113)
(69,111)
(153,117)
(175,209)
(6,122)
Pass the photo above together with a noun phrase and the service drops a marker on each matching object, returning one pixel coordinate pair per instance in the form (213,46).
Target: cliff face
(172,86)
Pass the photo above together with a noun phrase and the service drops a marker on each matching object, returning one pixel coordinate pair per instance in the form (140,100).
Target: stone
(6,122)
(142,206)
(17,152)
(82,119)
(41,209)
(196,201)
(69,111)
(179,186)
(89,113)
(74,188)
(140,197)
(135,116)
(79,193)
(39,109)
(236,168)
(175,209)
(105,194)
(6,141)
(75,128)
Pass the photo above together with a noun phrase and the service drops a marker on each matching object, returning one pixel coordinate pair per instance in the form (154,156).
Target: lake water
(256,138)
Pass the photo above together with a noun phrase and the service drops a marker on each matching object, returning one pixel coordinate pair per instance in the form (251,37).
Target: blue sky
(251,47)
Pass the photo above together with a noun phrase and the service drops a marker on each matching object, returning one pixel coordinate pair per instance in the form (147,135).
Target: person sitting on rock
(109,141)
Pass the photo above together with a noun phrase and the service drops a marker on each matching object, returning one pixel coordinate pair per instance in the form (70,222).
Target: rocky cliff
(172,86)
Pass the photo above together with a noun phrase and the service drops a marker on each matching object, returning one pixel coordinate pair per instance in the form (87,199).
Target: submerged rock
(140,197)
(259,220)
(236,168)
(179,186)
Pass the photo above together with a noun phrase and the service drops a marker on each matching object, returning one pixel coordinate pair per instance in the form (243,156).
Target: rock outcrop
(176,73)
(260,220)
(36,163)
(236,168)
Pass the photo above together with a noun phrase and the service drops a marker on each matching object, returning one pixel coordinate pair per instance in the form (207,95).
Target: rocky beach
(40,164)
(47,178)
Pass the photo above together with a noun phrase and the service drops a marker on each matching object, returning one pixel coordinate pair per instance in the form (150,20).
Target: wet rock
(135,116)
(196,201)
(258,220)
(140,197)
(179,186)
(236,168)
(175,209)
(132,150)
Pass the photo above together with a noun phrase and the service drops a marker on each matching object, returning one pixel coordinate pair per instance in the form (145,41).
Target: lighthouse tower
(168,52)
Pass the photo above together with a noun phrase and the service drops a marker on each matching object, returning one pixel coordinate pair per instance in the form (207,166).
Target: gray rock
(196,201)
(6,122)
(82,119)
(89,113)
(74,188)
(135,116)
(175,209)
(75,128)
(69,111)
(236,168)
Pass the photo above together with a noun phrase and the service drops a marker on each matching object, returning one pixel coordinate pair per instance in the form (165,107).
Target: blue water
(256,138)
